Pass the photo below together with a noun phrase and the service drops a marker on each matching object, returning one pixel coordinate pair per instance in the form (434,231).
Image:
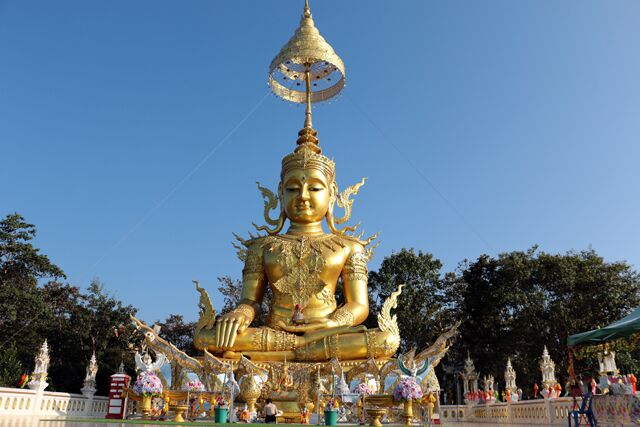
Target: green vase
(220,415)
(330,418)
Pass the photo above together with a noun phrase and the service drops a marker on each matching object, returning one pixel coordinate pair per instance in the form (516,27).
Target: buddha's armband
(253,268)
(246,309)
(356,267)
(343,317)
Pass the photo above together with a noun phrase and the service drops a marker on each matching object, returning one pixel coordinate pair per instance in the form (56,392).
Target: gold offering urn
(304,265)
(250,390)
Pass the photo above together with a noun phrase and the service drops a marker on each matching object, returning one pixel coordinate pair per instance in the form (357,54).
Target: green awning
(622,328)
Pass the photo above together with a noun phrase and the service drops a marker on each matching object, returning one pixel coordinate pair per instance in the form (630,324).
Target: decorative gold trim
(280,340)
(331,347)
(369,339)
(245,309)
(304,158)
(343,316)
(345,202)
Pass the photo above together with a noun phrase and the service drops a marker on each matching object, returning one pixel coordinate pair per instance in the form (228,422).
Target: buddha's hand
(228,326)
(312,324)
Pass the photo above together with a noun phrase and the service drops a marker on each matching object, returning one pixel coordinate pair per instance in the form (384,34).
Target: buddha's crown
(308,155)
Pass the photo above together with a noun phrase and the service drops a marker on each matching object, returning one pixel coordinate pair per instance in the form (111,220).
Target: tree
(21,304)
(421,312)
(515,304)
(76,324)
(231,290)
(178,332)
(10,365)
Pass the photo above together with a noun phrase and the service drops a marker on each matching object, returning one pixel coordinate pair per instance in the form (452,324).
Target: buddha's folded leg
(370,343)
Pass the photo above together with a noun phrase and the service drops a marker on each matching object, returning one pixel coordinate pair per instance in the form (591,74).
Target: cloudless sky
(132,132)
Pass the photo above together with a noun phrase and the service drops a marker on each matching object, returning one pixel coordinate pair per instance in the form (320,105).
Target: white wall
(526,412)
(18,403)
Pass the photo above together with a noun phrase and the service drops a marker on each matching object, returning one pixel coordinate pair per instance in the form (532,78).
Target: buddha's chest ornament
(302,260)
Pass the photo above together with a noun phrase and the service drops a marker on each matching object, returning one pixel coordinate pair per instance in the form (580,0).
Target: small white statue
(89,386)
(607,362)
(144,363)
(41,371)
(409,366)
(342,387)
(469,379)
(547,367)
(510,378)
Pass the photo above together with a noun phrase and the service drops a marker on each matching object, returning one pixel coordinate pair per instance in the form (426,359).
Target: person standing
(270,412)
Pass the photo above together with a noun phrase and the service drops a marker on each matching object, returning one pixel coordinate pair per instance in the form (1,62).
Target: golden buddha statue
(303,266)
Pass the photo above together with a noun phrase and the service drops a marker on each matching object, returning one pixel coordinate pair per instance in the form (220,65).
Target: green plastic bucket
(220,415)
(330,418)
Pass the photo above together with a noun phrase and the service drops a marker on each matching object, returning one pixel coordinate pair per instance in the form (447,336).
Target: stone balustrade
(527,412)
(29,404)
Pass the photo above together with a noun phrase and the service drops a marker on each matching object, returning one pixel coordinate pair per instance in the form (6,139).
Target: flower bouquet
(332,405)
(363,389)
(407,389)
(194,386)
(148,384)
(221,402)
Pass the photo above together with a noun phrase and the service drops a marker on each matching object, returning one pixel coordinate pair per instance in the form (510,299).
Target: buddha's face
(305,195)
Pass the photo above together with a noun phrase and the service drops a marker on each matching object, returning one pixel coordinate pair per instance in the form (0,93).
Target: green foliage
(22,306)
(10,366)
(422,304)
(75,323)
(515,304)
(231,290)
(19,260)
(178,332)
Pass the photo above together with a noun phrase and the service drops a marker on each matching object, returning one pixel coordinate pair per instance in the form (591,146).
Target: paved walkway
(29,422)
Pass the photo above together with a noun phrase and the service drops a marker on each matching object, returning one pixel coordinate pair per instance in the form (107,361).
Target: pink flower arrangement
(332,405)
(407,389)
(194,386)
(147,384)
(221,402)
(363,389)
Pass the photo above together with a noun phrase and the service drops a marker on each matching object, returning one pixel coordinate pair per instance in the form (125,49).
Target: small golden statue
(304,265)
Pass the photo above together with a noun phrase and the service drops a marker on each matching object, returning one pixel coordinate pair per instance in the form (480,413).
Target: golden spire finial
(307,11)
(307,59)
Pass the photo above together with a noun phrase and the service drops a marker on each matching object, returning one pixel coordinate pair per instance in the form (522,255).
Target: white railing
(18,403)
(526,412)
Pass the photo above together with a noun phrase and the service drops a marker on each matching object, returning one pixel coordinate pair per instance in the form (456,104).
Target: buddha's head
(307,191)
(307,188)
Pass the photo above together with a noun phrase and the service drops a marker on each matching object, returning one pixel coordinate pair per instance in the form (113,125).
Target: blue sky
(132,132)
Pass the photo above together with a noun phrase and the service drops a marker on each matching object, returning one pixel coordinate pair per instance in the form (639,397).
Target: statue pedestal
(88,392)
(38,385)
